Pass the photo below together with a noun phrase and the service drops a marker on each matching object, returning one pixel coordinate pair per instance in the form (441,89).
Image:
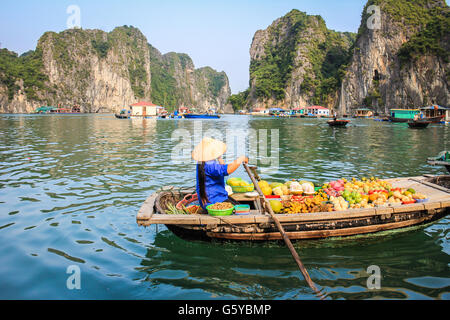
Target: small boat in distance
(381,119)
(338,123)
(201,116)
(122,116)
(418,124)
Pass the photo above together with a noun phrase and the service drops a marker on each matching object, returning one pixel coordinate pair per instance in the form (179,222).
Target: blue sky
(214,33)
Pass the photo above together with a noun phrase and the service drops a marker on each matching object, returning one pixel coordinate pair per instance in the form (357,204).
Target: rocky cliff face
(295,62)
(103,72)
(398,59)
(403,62)
(176,82)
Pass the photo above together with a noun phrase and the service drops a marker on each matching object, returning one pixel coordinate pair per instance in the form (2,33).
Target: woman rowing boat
(211,171)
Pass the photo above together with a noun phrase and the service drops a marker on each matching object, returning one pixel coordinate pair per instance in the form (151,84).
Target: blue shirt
(214,183)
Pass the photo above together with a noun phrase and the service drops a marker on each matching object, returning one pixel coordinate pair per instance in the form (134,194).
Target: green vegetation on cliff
(239,100)
(28,68)
(271,74)
(174,80)
(430,40)
(209,81)
(299,40)
(164,84)
(136,43)
(407,14)
(329,60)
(101,47)
(426,21)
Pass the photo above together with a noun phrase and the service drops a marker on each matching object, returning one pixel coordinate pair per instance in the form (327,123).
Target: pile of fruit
(307,206)
(339,195)
(288,188)
(239,185)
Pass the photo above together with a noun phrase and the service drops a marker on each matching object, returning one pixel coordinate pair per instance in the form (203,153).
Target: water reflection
(70,187)
(266,271)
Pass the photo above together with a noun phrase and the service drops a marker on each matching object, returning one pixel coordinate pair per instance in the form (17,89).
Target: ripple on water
(70,188)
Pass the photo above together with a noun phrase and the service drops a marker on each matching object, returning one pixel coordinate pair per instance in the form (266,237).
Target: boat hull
(438,119)
(432,119)
(310,231)
(338,123)
(418,124)
(201,116)
(402,120)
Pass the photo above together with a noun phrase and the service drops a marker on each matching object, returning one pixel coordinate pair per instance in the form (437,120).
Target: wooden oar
(283,233)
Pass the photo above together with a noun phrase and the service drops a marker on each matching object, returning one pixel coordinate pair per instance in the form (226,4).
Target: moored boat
(403,115)
(201,116)
(436,113)
(122,116)
(419,124)
(338,123)
(259,226)
(437,119)
(443,159)
(363,113)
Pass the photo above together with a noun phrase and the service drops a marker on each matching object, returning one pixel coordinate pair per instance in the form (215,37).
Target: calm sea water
(70,188)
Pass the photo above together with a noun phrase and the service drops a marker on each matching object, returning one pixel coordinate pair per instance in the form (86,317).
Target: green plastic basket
(213,212)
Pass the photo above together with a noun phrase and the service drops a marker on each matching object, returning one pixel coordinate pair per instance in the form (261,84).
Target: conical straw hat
(208,149)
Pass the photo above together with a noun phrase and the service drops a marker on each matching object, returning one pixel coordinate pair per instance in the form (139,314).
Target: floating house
(260,111)
(276,111)
(183,110)
(318,111)
(440,114)
(144,109)
(363,113)
(44,109)
(298,111)
(48,109)
(403,115)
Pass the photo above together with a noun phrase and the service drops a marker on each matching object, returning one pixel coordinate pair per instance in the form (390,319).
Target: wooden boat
(437,119)
(446,164)
(259,226)
(443,159)
(338,123)
(122,116)
(201,116)
(418,124)
(432,119)
(402,120)
(382,119)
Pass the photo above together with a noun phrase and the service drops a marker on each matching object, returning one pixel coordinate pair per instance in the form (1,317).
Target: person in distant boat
(416,117)
(334,115)
(211,171)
